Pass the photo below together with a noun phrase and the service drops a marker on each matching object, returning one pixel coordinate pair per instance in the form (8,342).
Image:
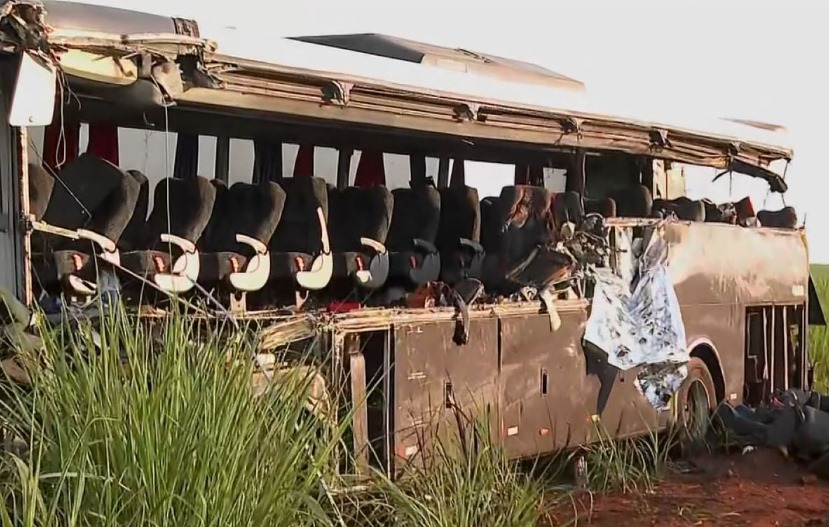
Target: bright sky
(750,59)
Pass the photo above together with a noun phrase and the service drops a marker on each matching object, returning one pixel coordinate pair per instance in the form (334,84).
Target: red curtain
(304,164)
(370,170)
(103,142)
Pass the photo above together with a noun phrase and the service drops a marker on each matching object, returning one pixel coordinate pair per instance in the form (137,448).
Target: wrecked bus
(585,289)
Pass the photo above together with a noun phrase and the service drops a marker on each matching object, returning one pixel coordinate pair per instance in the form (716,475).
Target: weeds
(127,427)
(819,335)
(467,481)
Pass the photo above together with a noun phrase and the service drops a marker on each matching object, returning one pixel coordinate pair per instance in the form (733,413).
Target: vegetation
(819,336)
(128,426)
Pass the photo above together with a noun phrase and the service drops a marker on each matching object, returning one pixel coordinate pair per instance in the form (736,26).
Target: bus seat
(635,202)
(785,218)
(73,264)
(41,186)
(84,184)
(134,231)
(360,220)
(169,256)
(567,207)
(526,220)
(218,216)
(719,213)
(300,248)
(516,223)
(239,244)
(491,239)
(746,214)
(459,234)
(414,258)
(604,206)
(684,208)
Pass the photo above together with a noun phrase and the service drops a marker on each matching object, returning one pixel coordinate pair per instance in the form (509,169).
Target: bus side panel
(432,374)
(556,394)
(11,265)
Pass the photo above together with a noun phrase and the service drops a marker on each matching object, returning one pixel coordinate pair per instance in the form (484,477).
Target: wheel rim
(696,411)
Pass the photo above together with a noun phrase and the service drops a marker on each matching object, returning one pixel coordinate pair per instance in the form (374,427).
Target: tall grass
(629,465)
(819,336)
(467,481)
(126,426)
(127,423)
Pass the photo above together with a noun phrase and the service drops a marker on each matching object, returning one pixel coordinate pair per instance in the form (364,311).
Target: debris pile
(796,422)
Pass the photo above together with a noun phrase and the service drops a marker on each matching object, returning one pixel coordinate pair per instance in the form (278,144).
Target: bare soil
(758,489)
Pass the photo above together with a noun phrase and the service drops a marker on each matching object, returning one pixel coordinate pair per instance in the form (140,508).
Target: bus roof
(416,94)
(455,59)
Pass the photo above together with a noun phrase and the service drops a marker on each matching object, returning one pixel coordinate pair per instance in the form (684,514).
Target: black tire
(695,401)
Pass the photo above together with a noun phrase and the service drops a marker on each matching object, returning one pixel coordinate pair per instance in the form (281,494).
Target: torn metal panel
(639,325)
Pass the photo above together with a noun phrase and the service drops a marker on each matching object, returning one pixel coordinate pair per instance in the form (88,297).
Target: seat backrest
(719,213)
(683,207)
(567,207)
(83,185)
(299,229)
(358,212)
(339,228)
(41,186)
(218,218)
(134,232)
(491,224)
(460,216)
(111,217)
(190,205)
(254,210)
(416,215)
(526,220)
(785,218)
(604,206)
(634,202)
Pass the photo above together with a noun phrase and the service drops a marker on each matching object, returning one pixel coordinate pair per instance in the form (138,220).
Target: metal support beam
(222,167)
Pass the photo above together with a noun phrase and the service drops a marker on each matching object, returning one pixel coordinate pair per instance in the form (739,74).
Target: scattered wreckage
(603,299)
(795,422)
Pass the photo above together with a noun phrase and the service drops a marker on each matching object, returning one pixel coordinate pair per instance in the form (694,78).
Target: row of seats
(637,202)
(300,234)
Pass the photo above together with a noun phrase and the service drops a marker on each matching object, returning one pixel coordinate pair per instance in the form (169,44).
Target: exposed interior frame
(208,79)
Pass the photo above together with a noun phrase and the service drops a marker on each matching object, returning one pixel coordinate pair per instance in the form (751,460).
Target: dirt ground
(757,489)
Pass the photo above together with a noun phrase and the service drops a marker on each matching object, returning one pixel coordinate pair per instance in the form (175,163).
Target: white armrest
(322,268)
(256,274)
(253,243)
(184,273)
(185,245)
(105,243)
(80,286)
(378,247)
(326,244)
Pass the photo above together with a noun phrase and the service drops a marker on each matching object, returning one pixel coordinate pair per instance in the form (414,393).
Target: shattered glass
(639,325)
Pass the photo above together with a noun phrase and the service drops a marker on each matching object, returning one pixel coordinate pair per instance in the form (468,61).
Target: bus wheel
(695,401)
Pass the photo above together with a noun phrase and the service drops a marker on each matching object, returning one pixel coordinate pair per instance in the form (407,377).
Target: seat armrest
(424,246)
(253,243)
(102,241)
(374,245)
(472,245)
(185,245)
